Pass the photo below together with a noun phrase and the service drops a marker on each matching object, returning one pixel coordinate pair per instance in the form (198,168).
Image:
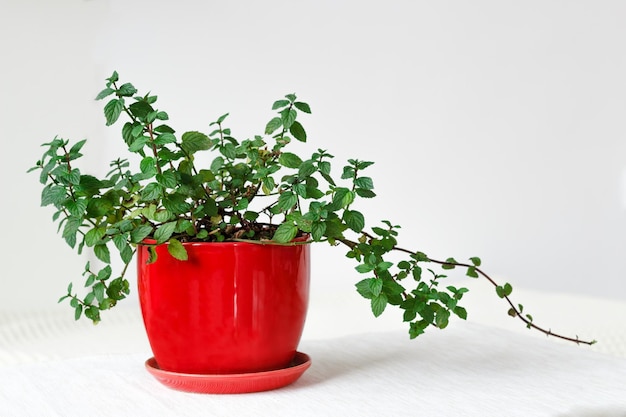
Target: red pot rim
(302,239)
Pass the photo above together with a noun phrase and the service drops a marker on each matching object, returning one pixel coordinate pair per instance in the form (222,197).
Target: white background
(497,127)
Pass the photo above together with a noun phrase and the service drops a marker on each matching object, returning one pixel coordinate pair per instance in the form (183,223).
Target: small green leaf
(442,318)
(354,220)
(378,304)
(365,193)
(138,234)
(177,250)
(272,125)
(94,235)
(375,286)
(152,191)
(302,107)
(298,132)
(288,116)
(450,264)
(289,160)
(280,104)
(102,252)
(140,109)
(476,261)
(167,179)
(512,312)
(105,93)
(195,141)
(126,90)
(286,232)
(317,230)
(383,266)
(78,310)
(52,194)
(364,268)
(164,232)
(365,183)
(460,312)
(471,272)
(112,110)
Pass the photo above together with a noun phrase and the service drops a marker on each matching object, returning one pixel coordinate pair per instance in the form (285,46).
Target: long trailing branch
(515,310)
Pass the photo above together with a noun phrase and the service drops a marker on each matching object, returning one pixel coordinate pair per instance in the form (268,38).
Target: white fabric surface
(466,370)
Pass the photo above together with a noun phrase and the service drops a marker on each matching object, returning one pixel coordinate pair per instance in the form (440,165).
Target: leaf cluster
(254,190)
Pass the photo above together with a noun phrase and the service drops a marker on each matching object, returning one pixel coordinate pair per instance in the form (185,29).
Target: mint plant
(253,190)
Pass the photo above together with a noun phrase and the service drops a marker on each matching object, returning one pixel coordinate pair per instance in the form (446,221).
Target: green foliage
(252,190)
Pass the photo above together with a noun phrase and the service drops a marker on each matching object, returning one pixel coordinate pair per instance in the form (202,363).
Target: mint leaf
(177,250)
(112,110)
(286,232)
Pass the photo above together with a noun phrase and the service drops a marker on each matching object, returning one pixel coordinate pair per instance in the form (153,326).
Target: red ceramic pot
(232,307)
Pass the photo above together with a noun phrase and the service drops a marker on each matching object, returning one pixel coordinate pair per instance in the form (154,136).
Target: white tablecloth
(466,370)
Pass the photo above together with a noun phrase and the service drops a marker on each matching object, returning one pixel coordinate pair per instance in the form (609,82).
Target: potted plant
(223,245)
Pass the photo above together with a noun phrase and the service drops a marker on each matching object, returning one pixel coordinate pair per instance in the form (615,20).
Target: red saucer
(232,383)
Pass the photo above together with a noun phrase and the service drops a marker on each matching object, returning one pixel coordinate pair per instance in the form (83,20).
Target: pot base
(232,383)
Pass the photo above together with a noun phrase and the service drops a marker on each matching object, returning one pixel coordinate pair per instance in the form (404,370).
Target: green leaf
(289,160)
(272,125)
(354,220)
(471,272)
(177,250)
(365,183)
(148,166)
(365,193)
(102,252)
(52,194)
(164,139)
(164,232)
(317,230)
(94,235)
(126,90)
(69,231)
(451,264)
(460,312)
(375,286)
(298,132)
(286,232)
(167,179)
(286,201)
(504,290)
(152,191)
(112,110)
(105,273)
(364,268)
(140,109)
(280,104)
(175,203)
(195,141)
(217,163)
(442,318)
(383,266)
(138,234)
(378,304)
(105,93)
(288,116)
(476,261)
(229,150)
(306,169)
(77,147)
(78,310)
(302,106)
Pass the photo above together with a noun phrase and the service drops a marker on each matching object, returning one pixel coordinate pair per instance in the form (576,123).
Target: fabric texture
(466,370)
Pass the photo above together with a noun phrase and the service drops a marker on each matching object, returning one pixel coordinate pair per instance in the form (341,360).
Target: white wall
(497,126)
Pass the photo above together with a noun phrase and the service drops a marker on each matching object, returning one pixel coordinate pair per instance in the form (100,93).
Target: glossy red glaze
(232,307)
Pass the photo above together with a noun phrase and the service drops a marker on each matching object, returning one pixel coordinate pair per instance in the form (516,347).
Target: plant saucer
(231,383)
